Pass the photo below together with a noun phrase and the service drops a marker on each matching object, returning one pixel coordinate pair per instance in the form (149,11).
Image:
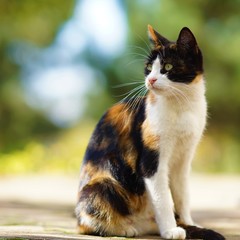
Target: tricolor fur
(134,177)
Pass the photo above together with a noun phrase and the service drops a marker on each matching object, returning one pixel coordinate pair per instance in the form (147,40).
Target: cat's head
(172,64)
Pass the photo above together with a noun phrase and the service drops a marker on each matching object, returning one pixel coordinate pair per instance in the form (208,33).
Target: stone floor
(41,207)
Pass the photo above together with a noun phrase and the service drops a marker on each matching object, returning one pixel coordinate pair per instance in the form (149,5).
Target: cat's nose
(152,80)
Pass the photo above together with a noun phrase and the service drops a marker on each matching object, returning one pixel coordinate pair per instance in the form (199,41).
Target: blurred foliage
(34,22)
(59,153)
(29,142)
(218,152)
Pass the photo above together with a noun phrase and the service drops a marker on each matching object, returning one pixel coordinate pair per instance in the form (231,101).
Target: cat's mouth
(157,84)
(156,88)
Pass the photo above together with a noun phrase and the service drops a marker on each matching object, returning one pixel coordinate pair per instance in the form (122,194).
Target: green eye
(168,66)
(149,67)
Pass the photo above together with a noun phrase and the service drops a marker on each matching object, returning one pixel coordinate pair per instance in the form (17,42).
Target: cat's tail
(194,232)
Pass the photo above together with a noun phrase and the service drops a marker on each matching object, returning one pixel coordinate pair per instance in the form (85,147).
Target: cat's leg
(144,218)
(103,210)
(179,185)
(158,188)
(180,192)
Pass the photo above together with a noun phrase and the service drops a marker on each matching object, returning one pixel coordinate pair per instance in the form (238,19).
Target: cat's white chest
(174,123)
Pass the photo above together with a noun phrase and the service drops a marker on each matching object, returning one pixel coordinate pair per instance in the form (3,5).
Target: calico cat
(134,177)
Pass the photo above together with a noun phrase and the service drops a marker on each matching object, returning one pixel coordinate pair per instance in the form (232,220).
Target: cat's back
(116,144)
(119,124)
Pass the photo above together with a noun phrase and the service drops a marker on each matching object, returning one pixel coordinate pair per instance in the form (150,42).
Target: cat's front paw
(174,233)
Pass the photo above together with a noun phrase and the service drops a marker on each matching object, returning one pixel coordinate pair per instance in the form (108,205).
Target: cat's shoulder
(132,109)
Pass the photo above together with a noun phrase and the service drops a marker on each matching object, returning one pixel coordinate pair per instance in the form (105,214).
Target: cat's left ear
(186,41)
(157,39)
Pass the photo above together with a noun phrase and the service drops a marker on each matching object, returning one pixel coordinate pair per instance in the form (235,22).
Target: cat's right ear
(157,39)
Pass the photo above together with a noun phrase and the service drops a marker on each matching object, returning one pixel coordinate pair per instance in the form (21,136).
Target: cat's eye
(168,66)
(149,67)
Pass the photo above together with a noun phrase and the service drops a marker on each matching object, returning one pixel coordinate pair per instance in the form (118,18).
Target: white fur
(178,116)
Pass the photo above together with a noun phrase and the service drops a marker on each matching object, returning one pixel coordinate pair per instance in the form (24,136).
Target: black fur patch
(194,232)
(107,192)
(104,134)
(136,134)
(185,67)
(124,174)
(149,162)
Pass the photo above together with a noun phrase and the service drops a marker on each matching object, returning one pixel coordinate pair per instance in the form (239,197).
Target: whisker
(134,61)
(138,99)
(142,94)
(131,92)
(180,96)
(182,85)
(140,48)
(126,84)
(173,92)
(135,93)
(133,101)
(145,56)
(146,43)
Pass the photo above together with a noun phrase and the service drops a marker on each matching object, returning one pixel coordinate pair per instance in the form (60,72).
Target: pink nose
(152,80)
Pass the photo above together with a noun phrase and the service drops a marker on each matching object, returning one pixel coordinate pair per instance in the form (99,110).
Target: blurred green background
(60,63)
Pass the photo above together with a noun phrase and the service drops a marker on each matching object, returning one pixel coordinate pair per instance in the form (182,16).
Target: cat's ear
(186,41)
(156,38)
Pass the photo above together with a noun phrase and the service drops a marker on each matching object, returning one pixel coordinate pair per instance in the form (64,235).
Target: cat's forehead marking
(156,62)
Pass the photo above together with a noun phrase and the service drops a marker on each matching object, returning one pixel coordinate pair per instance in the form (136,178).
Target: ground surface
(42,207)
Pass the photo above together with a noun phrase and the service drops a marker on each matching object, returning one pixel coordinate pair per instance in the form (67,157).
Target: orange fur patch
(84,229)
(138,203)
(151,98)
(150,139)
(154,37)
(197,79)
(90,173)
(152,33)
(88,170)
(120,117)
(130,154)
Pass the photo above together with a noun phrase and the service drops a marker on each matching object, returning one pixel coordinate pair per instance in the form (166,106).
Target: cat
(134,177)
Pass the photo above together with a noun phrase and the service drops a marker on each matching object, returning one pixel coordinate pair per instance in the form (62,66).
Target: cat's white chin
(156,88)
(160,91)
